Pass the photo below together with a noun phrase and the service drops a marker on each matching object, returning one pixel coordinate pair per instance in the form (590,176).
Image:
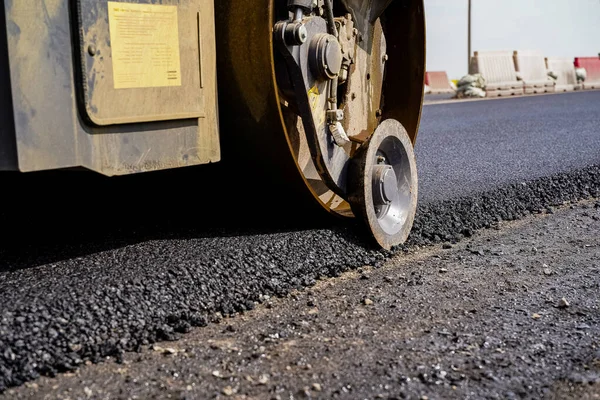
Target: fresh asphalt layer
(510,313)
(470,147)
(430,98)
(480,162)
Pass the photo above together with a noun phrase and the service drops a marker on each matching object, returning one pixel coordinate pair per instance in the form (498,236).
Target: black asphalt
(69,302)
(468,147)
(430,98)
(487,318)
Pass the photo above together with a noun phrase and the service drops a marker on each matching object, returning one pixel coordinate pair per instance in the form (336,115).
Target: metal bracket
(312,96)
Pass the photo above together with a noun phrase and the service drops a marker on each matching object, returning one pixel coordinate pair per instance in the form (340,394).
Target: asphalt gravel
(83,301)
(510,313)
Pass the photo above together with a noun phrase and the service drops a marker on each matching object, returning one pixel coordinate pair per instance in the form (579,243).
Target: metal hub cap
(325,56)
(393,184)
(384,184)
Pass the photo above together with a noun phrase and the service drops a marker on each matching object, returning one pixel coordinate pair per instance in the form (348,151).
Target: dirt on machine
(304,101)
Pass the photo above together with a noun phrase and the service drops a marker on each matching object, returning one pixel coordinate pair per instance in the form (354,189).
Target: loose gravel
(60,314)
(510,313)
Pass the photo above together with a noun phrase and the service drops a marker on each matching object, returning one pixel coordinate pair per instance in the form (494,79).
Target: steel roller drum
(260,170)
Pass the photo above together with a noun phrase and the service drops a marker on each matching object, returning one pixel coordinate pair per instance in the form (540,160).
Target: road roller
(323,97)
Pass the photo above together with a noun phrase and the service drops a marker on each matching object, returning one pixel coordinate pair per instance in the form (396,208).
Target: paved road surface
(77,301)
(473,146)
(431,98)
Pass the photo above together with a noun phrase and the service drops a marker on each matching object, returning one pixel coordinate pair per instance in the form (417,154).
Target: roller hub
(383,184)
(325,56)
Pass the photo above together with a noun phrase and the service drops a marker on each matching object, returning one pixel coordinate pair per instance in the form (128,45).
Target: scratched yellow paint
(145,45)
(313,99)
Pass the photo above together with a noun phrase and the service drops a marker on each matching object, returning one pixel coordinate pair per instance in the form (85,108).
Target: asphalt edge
(524,96)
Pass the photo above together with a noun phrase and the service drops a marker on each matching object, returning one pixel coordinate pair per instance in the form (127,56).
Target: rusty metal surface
(404,27)
(365,12)
(50,133)
(363,98)
(253,133)
(8,147)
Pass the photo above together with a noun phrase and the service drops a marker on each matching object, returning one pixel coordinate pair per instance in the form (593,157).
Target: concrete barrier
(592,68)
(498,70)
(438,82)
(565,71)
(531,66)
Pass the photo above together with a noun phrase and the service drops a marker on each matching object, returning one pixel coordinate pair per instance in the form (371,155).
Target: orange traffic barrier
(498,70)
(564,69)
(592,69)
(438,82)
(531,66)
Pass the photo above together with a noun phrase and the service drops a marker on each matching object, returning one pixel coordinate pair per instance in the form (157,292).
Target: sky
(559,28)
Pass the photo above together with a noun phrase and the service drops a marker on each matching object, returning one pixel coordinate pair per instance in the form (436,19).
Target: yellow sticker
(145,45)
(313,97)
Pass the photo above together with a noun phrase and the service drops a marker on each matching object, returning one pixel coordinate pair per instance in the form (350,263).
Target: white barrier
(564,69)
(498,70)
(530,64)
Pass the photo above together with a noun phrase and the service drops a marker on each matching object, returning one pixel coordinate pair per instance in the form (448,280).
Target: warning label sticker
(145,45)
